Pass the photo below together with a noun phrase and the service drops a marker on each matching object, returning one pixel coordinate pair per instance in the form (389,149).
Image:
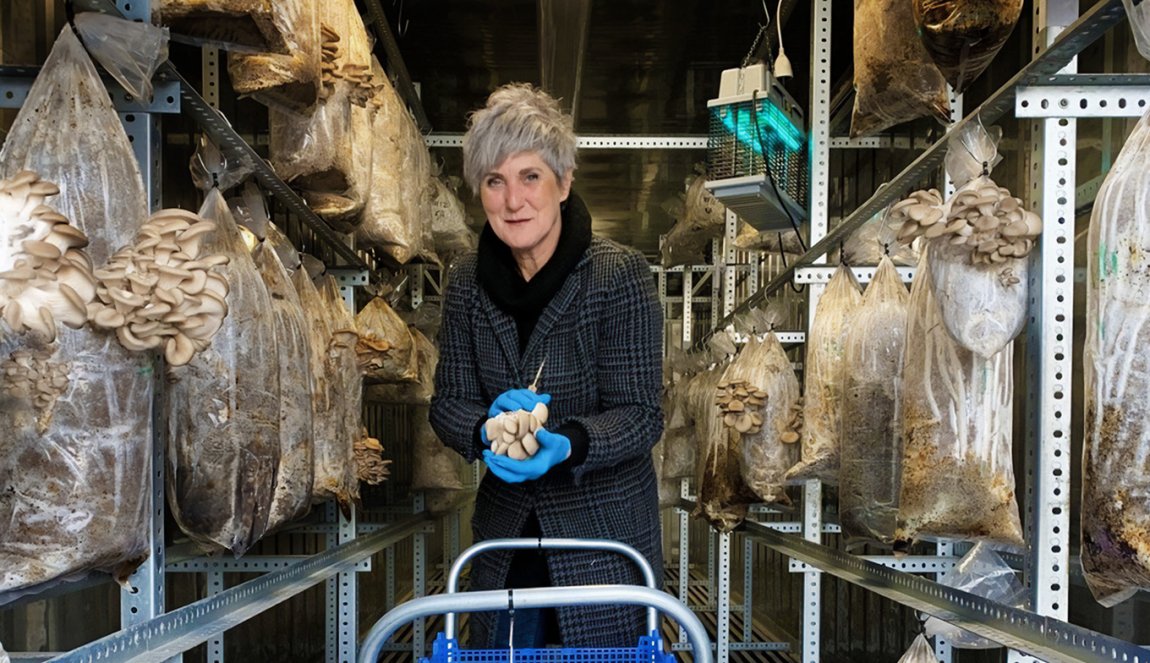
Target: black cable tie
(886,249)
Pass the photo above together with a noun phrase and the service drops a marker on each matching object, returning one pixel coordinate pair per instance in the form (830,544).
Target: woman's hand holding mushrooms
(553,449)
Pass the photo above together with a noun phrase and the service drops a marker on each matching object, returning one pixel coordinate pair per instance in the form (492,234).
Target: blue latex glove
(517,399)
(553,449)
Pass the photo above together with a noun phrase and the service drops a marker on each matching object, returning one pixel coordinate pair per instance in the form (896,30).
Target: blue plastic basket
(650,650)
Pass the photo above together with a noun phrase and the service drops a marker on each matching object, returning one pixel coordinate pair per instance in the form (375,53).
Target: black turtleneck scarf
(499,274)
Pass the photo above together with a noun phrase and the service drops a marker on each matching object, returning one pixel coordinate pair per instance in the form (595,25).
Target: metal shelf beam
(601,142)
(1093,24)
(178,631)
(1044,637)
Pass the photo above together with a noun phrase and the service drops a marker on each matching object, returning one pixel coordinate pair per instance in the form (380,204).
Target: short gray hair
(517,118)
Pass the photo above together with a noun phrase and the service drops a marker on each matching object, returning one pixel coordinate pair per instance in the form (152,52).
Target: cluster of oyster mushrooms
(159,292)
(45,278)
(370,467)
(994,224)
(921,213)
(29,374)
(513,433)
(742,405)
(363,85)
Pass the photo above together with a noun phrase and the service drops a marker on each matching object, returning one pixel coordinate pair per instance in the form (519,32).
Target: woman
(542,291)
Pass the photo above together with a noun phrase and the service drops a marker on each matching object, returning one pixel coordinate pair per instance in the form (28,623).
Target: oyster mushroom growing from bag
(159,292)
(45,278)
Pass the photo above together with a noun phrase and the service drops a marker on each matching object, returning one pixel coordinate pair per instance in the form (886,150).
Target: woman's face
(521,198)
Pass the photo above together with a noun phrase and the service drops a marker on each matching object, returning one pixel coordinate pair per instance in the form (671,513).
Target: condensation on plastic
(870,464)
(1115,484)
(223,409)
(957,417)
(293,488)
(288,80)
(824,376)
(75,497)
(129,51)
(764,459)
(388,222)
(895,81)
(963,36)
(982,573)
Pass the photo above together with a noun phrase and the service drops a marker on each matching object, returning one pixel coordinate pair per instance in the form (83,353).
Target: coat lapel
(504,327)
(551,314)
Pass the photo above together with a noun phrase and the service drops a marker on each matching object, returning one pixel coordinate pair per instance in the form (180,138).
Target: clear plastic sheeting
(895,80)
(252,25)
(702,220)
(289,79)
(957,417)
(1139,15)
(1116,453)
(223,410)
(388,222)
(920,651)
(723,496)
(678,431)
(327,151)
(347,393)
(385,348)
(870,465)
(981,297)
(436,468)
(292,497)
(333,455)
(876,239)
(963,36)
(449,223)
(75,496)
(982,573)
(824,368)
(129,51)
(765,456)
(414,393)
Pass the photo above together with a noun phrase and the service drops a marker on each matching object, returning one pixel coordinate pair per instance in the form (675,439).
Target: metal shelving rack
(150,632)
(1046,89)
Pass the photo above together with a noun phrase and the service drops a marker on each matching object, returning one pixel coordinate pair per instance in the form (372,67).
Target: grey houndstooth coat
(602,337)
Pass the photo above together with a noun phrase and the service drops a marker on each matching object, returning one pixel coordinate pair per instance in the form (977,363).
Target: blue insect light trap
(756,150)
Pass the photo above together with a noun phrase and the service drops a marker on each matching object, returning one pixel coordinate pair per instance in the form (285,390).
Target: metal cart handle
(537,597)
(550,544)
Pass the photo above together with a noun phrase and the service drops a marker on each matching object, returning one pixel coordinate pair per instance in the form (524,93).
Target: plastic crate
(650,650)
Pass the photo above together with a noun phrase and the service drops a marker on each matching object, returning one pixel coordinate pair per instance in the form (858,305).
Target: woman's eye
(492,181)
(531,177)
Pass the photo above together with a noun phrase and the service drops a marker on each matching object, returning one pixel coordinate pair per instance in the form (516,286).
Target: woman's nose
(514,196)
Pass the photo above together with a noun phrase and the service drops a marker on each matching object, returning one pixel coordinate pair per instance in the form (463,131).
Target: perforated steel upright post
(146,599)
(819,146)
(1049,344)
(685,484)
(723,564)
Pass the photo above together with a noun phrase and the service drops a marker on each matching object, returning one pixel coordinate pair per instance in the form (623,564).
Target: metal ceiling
(644,68)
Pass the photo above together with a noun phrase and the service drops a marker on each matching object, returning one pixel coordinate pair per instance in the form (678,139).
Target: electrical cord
(767,169)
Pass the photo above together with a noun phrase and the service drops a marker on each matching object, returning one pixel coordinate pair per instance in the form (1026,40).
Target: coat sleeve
(629,370)
(457,408)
